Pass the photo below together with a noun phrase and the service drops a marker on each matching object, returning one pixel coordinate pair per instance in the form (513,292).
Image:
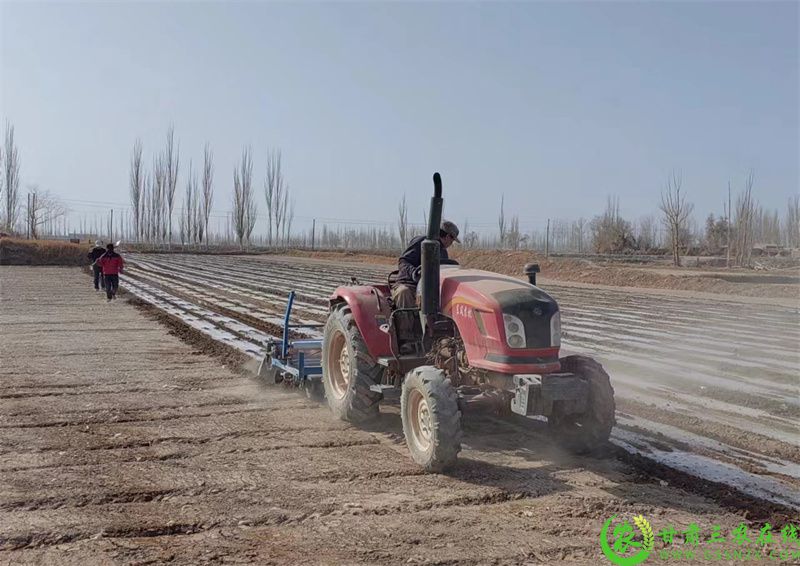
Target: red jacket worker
(111,263)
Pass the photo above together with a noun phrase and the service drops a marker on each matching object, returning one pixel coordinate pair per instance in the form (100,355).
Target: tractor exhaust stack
(531,269)
(429,277)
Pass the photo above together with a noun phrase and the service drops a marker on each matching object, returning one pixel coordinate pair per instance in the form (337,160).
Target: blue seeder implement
(293,362)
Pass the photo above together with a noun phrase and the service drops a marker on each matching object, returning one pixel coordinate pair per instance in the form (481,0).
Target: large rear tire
(431,418)
(590,431)
(348,370)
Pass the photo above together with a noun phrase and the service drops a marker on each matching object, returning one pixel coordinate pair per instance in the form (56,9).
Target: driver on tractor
(404,286)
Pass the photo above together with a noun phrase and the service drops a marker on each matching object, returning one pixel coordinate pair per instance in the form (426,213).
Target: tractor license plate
(535,394)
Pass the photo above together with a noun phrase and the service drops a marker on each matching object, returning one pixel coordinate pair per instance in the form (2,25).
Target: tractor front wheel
(590,430)
(431,418)
(348,370)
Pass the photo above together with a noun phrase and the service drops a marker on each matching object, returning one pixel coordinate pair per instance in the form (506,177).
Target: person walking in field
(97,251)
(112,265)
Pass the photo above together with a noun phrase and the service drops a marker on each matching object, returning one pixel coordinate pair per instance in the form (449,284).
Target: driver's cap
(450,228)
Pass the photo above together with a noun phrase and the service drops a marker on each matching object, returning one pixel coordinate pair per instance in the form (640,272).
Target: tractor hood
(490,290)
(479,302)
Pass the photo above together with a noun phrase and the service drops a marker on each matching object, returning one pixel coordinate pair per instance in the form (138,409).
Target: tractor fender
(370,310)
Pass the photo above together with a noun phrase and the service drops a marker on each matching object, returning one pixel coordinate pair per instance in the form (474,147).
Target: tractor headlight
(555,330)
(515,332)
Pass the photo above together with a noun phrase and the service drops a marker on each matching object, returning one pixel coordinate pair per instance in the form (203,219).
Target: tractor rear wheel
(431,418)
(589,431)
(348,370)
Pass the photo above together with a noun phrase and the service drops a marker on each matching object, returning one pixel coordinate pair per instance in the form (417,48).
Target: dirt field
(123,443)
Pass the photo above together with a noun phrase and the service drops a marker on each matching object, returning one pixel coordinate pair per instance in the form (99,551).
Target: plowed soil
(124,443)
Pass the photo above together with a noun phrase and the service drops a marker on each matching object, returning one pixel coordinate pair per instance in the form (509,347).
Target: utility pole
(547,241)
(28,211)
(728,251)
(111,227)
(313,230)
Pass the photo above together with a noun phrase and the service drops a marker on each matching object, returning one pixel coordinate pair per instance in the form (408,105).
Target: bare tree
(676,212)
(11,178)
(501,221)
(471,240)
(284,211)
(465,231)
(278,213)
(289,220)
(151,189)
(43,209)
(252,207)
(190,218)
(767,227)
(136,185)
(144,215)
(728,244)
(273,192)
(773,227)
(513,235)
(269,194)
(182,225)
(149,220)
(744,220)
(244,206)
(158,210)
(171,161)
(610,232)
(690,235)
(402,221)
(791,223)
(207,200)
(578,231)
(647,233)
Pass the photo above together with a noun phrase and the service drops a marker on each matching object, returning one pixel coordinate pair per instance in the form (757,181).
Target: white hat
(98,243)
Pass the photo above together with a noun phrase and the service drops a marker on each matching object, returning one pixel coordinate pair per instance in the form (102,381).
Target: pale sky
(555,105)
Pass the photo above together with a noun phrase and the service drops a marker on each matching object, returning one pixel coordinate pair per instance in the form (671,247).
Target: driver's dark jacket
(411,260)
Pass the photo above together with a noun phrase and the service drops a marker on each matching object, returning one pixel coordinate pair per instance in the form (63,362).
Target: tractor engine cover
(480,303)
(536,394)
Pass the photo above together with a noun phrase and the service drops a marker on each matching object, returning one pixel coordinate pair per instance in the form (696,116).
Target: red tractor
(478,340)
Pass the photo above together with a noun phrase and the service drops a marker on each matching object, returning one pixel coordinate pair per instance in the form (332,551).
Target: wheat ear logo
(619,551)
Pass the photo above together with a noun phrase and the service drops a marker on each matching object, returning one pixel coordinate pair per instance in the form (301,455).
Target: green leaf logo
(623,536)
